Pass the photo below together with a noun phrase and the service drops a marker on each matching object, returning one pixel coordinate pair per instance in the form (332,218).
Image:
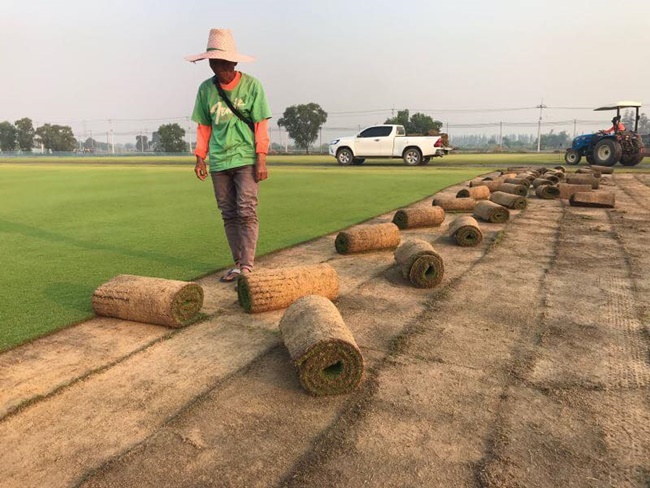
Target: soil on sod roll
(583,179)
(274,289)
(476,192)
(411,218)
(491,212)
(518,181)
(589,171)
(365,238)
(547,192)
(452,204)
(566,190)
(541,181)
(606,170)
(491,185)
(520,190)
(150,300)
(601,199)
(509,200)
(465,231)
(323,349)
(420,263)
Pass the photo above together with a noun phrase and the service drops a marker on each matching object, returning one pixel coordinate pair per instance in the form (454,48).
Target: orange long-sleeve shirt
(203,132)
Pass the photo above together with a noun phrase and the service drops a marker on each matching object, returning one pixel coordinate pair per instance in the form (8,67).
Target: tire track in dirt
(580,417)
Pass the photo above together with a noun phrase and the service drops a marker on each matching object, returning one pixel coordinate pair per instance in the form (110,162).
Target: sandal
(231,275)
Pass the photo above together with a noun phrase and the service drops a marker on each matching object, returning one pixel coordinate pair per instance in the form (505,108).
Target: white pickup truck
(386,141)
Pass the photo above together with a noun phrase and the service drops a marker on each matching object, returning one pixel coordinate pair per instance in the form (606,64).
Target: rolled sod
(420,263)
(150,300)
(518,181)
(520,190)
(363,238)
(560,168)
(509,200)
(566,189)
(601,199)
(323,349)
(547,192)
(491,185)
(589,171)
(465,231)
(541,181)
(583,179)
(452,204)
(476,192)
(554,179)
(410,218)
(275,289)
(491,212)
(606,170)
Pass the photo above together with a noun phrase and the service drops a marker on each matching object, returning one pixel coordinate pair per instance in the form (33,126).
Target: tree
(141,143)
(418,123)
(555,141)
(56,137)
(8,135)
(303,123)
(154,143)
(25,135)
(171,138)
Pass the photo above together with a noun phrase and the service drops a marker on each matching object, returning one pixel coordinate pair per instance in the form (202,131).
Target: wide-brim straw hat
(221,45)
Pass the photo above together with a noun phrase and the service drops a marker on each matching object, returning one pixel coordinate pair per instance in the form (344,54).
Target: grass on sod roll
(65,229)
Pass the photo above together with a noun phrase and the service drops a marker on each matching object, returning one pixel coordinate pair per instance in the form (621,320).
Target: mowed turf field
(65,229)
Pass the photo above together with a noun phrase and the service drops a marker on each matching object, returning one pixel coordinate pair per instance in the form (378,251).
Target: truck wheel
(425,161)
(572,156)
(344,156)
(631,159)
(607,152)
(358,161)
(412,156)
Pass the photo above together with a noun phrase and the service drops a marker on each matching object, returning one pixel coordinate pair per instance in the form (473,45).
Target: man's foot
(231,275)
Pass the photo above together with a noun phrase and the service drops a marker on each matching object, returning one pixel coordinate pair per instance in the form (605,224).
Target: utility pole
(575,122)
(141,142)
(501,135)
(320,149)
(541,107)
(110,122)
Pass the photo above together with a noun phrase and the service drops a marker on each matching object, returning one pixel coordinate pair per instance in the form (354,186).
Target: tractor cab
(608,147)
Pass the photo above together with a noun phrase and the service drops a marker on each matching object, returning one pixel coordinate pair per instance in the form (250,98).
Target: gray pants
(236,193)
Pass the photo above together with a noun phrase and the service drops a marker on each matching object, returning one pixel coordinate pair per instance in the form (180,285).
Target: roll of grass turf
(274,289)
(566,190)
(547,192)
(151,300)
(518,181)
(453,204)
(589,171)
(541,181)
(601,199)
(560,168)
(465,231)
(606,170)
(410,218)
(476,192)
(364,238)
(509,200)
(520,190)
(491,185)
(491,212)
(420,263)
(583,179)
(323,349)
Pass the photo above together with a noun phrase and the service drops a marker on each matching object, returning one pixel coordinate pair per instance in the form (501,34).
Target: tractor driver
(617,126)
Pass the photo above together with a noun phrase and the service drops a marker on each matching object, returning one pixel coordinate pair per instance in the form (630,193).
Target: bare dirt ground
(528,366)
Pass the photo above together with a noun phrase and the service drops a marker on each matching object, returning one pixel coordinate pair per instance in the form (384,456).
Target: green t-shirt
(232,143)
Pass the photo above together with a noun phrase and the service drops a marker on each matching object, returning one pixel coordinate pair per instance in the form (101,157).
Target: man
(233,129)
(617,126)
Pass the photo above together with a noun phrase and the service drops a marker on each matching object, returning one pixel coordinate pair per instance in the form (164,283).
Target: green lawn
(64,229)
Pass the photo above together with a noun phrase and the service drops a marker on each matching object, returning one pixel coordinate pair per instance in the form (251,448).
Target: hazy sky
(68,61)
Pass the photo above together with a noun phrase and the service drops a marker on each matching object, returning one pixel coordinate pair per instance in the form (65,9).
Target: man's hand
(200,169)
(261,173)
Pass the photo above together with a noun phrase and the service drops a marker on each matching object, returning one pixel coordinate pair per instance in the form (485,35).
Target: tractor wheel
(412,156)
(572,156)
(631,159)
(590,158)
(607,152)
(344,156)
(358,161)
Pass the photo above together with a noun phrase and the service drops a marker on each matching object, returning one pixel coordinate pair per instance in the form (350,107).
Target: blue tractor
(606,148)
